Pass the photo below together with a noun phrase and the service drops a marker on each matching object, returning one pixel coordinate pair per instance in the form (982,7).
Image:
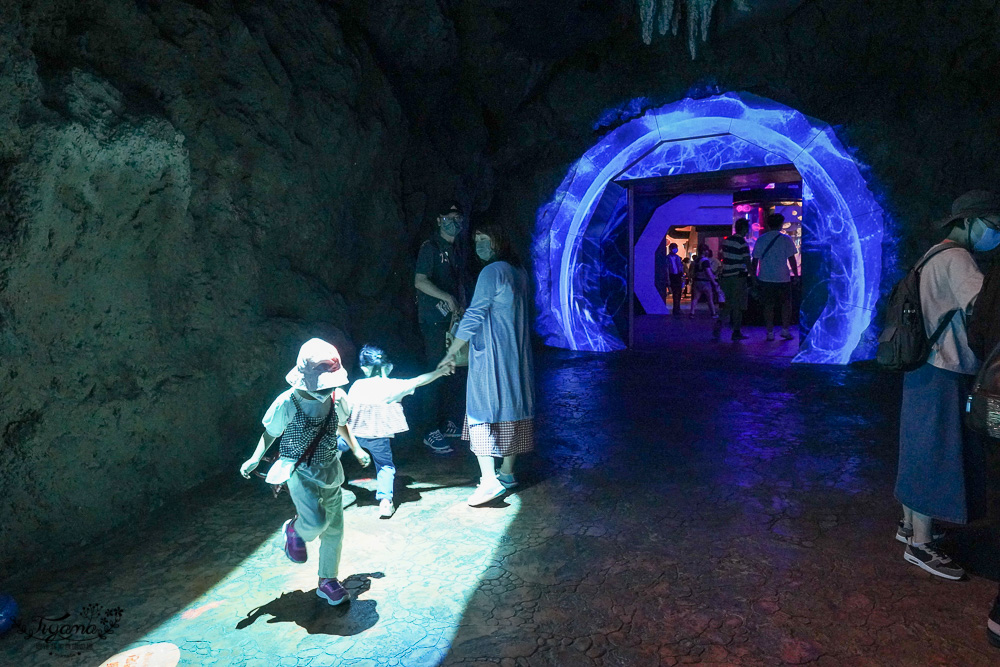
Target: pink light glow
(198,611)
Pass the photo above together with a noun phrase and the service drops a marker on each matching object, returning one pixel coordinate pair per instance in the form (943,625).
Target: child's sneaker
(331,591)
(386,508)
(295,546)
(927,557)
(508,481)
(486,492)
(436,443)
(450,430)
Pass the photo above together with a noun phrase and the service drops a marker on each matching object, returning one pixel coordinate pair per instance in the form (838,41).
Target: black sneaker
(450,430)
(437,444)
(993,623)
(928,557)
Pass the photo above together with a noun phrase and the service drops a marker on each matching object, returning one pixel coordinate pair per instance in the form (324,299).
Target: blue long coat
(501,385)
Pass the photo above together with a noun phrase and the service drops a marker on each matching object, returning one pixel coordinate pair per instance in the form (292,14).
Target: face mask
(384,370)
(484,248)
(451,227)
(321,395)
(989,240)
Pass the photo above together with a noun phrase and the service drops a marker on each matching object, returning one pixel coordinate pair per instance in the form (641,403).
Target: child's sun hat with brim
(318,367)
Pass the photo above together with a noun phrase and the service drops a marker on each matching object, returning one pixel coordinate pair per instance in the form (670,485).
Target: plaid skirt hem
(500,438)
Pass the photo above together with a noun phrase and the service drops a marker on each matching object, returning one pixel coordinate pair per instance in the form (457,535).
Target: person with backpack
(941,464)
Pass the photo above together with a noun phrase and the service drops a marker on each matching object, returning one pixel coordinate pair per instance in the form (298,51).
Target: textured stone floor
(693,504)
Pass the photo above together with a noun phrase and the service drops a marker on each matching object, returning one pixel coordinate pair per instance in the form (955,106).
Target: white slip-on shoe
(484,493)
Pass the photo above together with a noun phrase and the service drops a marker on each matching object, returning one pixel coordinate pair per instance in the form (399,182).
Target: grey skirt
(942,466)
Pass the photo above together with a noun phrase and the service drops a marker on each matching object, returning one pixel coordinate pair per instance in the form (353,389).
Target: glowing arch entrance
(731,131)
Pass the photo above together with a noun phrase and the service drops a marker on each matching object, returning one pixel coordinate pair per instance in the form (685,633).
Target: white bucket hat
(318,367)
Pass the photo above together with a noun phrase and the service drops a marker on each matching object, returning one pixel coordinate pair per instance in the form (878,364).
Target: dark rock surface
(190,189)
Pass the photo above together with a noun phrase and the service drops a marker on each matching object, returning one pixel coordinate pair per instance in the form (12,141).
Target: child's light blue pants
(315,490)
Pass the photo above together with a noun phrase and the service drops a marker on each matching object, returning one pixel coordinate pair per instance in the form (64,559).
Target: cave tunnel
(192,189)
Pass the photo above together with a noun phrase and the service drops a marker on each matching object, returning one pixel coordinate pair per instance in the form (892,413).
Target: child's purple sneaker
(295,546)
(331,591)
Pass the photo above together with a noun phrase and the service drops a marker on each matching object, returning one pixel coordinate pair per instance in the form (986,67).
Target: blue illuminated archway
(724,132)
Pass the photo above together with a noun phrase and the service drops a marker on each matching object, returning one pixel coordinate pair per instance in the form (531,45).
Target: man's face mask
(989,239)
(484,248)
(451,225)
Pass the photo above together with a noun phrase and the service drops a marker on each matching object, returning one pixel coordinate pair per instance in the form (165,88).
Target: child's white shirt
(373,413)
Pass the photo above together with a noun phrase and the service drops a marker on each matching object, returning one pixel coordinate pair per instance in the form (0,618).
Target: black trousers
(676,286)
(444,399)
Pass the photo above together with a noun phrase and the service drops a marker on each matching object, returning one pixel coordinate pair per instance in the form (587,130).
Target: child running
(376,416)
(308,417)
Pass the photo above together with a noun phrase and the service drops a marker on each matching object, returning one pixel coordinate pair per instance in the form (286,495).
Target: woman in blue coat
(500,395)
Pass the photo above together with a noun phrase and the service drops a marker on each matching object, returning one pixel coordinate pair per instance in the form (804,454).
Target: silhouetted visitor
(500,399)
(703,280)
(942,465)
(377,416)
(687,276)
(984,337)
(735,273)
(440,298)
(675,277)
(773,258)
(308,418)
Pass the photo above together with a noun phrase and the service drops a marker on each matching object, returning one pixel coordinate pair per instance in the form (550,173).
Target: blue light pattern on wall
(841,214)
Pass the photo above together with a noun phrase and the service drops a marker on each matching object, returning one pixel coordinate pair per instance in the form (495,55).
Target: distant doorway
(695,212)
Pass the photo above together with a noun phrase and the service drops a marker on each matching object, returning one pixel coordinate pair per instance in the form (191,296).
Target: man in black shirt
(440,294)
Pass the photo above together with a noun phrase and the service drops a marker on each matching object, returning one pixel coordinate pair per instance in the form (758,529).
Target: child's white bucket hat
(318,367)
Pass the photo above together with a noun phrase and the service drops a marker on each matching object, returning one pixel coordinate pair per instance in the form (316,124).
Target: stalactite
(647,8)
(668,19)
(666,15)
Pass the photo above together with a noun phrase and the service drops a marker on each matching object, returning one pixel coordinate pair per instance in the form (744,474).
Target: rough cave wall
(189,189)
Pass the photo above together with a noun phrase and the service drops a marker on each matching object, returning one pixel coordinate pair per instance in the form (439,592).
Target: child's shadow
(314,615)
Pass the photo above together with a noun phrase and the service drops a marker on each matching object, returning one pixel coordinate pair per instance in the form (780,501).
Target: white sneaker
(386,508)
(484,493)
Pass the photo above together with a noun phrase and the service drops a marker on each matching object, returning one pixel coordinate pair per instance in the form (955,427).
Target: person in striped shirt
(733,280)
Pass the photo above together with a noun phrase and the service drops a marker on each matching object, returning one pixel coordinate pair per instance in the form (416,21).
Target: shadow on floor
(316,616)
